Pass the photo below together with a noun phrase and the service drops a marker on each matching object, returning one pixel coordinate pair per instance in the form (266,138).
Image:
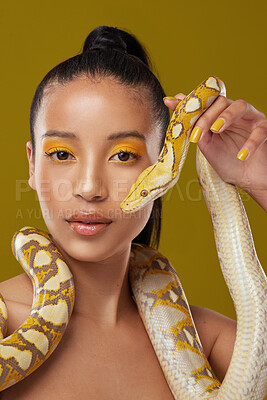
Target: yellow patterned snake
(35,340)
(157,291)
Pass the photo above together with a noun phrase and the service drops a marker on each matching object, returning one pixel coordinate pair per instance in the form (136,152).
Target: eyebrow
(113,136)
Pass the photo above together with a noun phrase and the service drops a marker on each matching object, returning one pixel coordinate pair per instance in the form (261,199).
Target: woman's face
(84,132)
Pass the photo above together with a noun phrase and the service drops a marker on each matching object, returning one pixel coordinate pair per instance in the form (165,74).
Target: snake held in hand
(156,287)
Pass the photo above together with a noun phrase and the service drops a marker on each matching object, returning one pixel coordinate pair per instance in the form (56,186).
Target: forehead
(98,107)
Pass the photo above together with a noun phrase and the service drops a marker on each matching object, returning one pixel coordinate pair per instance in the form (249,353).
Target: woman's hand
(243,134)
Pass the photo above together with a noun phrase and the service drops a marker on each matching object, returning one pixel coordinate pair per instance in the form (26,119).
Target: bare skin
(105,352)
(102,362)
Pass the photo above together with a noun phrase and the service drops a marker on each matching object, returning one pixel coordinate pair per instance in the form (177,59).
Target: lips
(89,218)
(88,223)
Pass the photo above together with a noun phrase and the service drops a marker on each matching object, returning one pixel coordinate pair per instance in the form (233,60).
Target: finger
(257,137)
(172,102)
(204,123)
(180,96)
(237,110)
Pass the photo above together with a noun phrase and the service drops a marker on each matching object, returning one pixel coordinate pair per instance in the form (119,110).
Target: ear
(31,180)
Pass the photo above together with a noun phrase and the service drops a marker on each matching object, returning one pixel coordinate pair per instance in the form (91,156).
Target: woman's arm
(260,197)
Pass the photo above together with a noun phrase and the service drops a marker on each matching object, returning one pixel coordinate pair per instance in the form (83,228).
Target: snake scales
(158,293)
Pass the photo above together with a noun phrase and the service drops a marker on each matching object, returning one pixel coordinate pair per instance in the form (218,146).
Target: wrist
(260,196)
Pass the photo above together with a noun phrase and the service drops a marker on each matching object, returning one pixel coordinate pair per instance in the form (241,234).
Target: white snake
(157,291)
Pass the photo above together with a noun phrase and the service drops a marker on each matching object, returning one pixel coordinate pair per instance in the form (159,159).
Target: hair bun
(103,38)
(107,37)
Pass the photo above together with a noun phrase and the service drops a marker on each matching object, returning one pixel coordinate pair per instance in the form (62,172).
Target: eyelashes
(128,152)
(62,152)
(63,155)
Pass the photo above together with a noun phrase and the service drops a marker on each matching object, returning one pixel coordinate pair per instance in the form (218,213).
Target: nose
(91,184)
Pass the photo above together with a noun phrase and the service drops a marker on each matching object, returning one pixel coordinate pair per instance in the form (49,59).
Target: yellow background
(187,41)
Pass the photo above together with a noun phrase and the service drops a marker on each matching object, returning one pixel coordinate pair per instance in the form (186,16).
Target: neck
(102,289)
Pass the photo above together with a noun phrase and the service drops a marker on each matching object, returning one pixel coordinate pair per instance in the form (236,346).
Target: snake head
(140,193)
(158,178)
(152,183)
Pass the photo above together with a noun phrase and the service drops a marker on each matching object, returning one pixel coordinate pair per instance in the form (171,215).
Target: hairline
(140,96)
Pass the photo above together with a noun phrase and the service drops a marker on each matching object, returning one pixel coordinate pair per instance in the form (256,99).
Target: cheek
(53,184)
(54,194)
(135,223)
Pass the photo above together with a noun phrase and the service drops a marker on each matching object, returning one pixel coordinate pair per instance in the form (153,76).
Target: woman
(97,121)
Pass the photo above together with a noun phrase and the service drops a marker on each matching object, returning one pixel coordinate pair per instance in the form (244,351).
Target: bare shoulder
(18,295)
(17,289)
(217,334)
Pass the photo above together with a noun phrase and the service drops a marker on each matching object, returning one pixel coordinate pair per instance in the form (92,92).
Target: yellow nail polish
(170,98)
(195,135)
(242,155)
(217,124)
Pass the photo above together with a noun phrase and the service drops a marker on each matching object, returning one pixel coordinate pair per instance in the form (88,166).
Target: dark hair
(112,52)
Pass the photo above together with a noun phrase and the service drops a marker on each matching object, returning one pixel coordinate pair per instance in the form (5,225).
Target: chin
(91,253)
(94,248)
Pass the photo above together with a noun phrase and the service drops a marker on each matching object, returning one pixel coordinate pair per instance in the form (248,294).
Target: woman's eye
(60,155)
(126,156)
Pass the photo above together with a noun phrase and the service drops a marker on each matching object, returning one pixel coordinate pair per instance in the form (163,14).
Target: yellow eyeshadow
(50,146)
(139,149)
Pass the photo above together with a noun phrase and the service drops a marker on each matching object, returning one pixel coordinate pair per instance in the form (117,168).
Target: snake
(156,288)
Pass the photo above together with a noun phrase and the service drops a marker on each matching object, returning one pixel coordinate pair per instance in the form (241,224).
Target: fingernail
(217,124)
(242,155)
(195,135)
(170,98)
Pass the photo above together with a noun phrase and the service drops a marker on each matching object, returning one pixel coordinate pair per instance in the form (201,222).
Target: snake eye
(144,193)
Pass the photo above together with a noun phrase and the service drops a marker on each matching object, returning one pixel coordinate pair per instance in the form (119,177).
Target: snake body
(33,342)
(156,287)
(186,369)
